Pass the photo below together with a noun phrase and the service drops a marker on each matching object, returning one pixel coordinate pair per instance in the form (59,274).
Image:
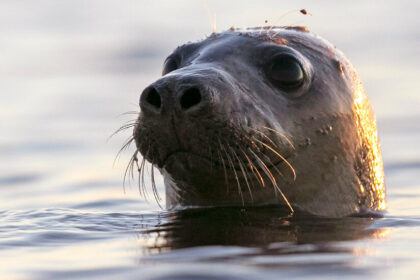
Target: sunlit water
(69,68)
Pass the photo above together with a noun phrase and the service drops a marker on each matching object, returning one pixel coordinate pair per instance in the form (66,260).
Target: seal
(262,116)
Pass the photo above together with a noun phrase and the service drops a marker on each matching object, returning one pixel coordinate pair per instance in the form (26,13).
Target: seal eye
(171,64)
(286,72)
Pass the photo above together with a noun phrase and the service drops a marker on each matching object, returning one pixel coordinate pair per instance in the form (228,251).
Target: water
(69,68)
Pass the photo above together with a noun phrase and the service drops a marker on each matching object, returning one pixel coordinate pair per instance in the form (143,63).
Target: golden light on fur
(366,129)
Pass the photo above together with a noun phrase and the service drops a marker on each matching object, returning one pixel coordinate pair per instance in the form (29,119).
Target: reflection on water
(259,226)
(261,237)
(215,240)
(69,68)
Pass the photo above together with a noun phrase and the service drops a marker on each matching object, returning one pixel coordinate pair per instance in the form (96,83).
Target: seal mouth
(188,158)
(180,154)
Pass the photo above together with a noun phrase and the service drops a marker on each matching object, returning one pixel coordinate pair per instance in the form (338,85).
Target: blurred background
(69,69)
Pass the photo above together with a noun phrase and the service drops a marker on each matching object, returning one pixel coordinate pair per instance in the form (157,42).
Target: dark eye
(171,64)
(285,72)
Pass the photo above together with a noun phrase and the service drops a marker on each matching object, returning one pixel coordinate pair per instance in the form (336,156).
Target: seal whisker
(122,128)
(155,192)
(268,158)
(141,183)
(263,135)
(131,171)
(244,173)
(251,141)
(264,167)
(127,169)
(234,172)
(125,126)
(131,122)
(272,179)
(142,187)
(124,147)
(224,166)
(211,159)
(254,170)
(129,113)
(281,135)
(126,144)
(139,173)
(280,156)
(259,150)
(273,166)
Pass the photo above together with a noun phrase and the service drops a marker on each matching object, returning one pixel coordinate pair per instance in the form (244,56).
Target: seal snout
(176,111)
(150,99)
(190,98)
(183,99)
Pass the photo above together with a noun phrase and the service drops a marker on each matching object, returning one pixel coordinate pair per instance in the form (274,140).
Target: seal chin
(186,166)
(184,160)
(193,171)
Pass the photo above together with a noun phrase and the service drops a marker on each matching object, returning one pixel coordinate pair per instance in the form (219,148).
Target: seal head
(256,118)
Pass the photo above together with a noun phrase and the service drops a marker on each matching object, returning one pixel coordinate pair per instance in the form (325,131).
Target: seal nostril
(190,98)
(153,98)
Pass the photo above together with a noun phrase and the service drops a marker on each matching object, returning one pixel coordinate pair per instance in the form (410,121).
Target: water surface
(70,68)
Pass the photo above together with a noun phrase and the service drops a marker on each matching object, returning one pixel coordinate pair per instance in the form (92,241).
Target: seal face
(272,117)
